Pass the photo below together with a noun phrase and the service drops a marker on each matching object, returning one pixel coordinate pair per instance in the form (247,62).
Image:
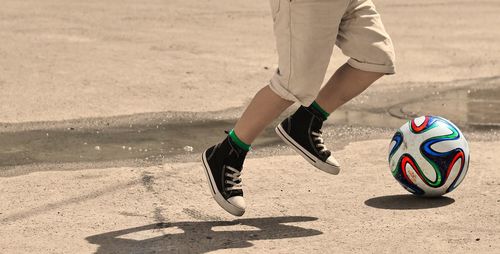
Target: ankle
(236,140)
(316,109)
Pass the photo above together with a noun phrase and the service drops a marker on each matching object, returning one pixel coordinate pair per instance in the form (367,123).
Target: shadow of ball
(408,202)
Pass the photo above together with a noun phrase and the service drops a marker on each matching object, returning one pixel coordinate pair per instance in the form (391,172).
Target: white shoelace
(235,181)
(317,137)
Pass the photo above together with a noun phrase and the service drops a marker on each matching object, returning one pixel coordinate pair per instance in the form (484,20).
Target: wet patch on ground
(138,141)
(471,104)
(470,107)
(154,138)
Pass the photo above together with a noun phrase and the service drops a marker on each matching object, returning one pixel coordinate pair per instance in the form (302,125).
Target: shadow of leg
(198,237)
(408,202)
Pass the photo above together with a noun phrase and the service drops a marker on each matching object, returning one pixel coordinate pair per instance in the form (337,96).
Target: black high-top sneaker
(302,131)
(223,164)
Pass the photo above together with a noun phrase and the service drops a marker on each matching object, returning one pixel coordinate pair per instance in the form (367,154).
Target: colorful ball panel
(429,156)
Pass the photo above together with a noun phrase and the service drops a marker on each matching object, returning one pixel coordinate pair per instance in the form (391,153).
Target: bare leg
(345,84)
(265,106)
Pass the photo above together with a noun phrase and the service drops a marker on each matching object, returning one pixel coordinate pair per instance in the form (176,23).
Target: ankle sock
(238,141)
(318,109)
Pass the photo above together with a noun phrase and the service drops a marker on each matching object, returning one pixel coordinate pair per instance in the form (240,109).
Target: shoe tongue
(236,155)
(317,124)
(235,159)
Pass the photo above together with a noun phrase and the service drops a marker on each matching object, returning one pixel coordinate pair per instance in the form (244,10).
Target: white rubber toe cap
(331,165)
(332,161)
(238,202)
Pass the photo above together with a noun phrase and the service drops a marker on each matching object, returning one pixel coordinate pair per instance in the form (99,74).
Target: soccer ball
(429,156)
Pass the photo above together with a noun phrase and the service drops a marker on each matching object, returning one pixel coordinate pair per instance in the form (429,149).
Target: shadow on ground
(408,202)
(200,236)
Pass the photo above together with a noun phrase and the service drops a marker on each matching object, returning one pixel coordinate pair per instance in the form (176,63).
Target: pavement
(106,105)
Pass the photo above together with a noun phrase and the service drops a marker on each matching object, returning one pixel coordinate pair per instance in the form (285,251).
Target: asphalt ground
(106,106)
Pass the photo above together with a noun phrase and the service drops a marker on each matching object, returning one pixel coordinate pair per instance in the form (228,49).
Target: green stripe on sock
(238,141)
(320,109)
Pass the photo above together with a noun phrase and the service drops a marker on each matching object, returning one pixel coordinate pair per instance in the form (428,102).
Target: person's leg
(302,130)
(265,106)
(345,84)
(362,37)
(304,44)
(306,53)
(303,60)
(223,162)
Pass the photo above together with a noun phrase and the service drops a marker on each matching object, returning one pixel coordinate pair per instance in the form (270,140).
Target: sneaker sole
(321,165)
(230,208)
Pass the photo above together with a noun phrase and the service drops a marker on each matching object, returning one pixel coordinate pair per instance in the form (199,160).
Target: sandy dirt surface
(71,59)
(121,61)
(292,208)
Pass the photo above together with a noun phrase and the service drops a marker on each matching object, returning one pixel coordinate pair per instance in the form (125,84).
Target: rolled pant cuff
(282,92)
(386,69)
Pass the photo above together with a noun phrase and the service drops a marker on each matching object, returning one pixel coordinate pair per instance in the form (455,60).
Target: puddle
(147,142)
(470,108)
(149,137)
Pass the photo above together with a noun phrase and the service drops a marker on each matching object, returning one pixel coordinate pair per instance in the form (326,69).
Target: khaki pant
(306,32)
